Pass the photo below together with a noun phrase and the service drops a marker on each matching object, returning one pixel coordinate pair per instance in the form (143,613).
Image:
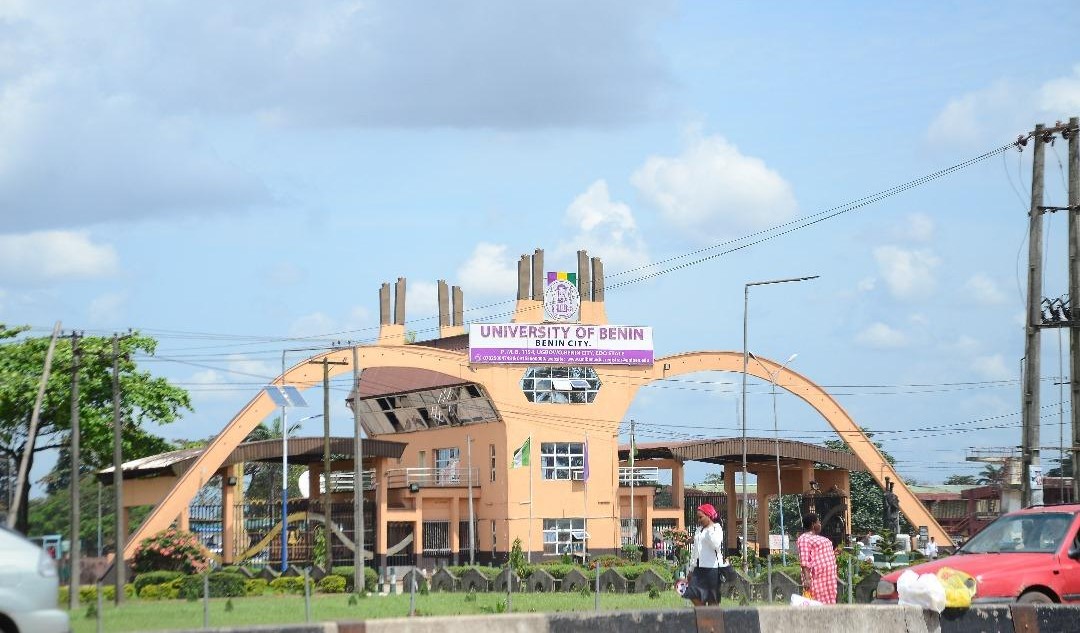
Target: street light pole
(745,362)
(776,434)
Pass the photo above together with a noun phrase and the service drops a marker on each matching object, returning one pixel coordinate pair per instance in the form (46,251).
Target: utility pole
(633,475)
(118,476)
(31,435)
(1073,132)
(472,512)
(1031,490)
(358,481)
(327,501)
(76,471)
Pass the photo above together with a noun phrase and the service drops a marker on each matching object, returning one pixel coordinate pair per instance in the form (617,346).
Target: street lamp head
(790,358)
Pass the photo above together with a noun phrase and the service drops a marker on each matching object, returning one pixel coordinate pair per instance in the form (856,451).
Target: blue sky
(238,179)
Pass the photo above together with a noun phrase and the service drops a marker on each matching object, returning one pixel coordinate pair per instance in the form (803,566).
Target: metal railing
(431,477)
(342,481)
(639,475)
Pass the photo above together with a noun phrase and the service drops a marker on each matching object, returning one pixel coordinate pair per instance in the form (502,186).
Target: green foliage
(318,547)
(154,578)
(961,480)
(632,552)
(517,560)
(288,584)
(255,586)
(491,573)
(867,498)
(171,550)
(145,399)
(64,594)
(156,592)
(331,584)
(228,606)
(371,577)
(108,592)
(654,593)
(471,596)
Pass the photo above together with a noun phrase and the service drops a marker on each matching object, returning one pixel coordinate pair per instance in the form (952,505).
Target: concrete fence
(833,619)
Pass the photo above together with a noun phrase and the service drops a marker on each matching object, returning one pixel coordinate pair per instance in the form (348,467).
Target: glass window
(1034,532)
(560,385)
(447,462)
(564,536)
(562,460)
(492,446)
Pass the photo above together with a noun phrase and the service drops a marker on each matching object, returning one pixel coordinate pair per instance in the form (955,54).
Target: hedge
(154,578)
(255,586)
(491,573)
(371,577)
(288,584)
(222,585)
(331,584)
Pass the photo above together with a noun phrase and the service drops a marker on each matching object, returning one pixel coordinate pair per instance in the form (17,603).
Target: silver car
(28,588)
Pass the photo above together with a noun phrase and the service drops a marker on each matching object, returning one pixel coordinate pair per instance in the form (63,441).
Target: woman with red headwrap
(706,559)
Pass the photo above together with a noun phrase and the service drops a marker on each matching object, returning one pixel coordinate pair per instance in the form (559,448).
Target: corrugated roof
(730,450)
(383,381)
(302,450)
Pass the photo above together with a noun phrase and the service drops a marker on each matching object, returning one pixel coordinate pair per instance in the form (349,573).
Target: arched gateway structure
(537,414)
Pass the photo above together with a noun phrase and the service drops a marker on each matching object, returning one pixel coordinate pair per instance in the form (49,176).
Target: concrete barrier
(833,619)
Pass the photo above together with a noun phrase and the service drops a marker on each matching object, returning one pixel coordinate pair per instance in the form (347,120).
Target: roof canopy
(729,451)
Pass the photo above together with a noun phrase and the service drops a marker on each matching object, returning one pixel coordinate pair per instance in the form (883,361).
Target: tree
(960,480)
(1063,469)
(867,499)
(991,474)
(144,399)
(265,478)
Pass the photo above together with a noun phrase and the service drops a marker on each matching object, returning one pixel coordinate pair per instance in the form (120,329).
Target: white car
(28,588)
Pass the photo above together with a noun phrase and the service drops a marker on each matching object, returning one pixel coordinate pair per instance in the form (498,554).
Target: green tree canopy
(145,399)
(867,498)
(961,480)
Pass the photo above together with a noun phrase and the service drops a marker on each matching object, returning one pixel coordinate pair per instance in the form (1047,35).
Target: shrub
(491,573)
(153,592)
(331,584)
(222,585)
(255,586)
(154,578)
(558,570)
(371,577)
(171,550)
(65,592)
(288,584)
(632,552)
(108,592)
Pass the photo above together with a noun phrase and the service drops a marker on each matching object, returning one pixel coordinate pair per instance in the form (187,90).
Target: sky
(237,180)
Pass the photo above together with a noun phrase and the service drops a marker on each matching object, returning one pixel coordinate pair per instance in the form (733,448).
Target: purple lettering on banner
(581,355)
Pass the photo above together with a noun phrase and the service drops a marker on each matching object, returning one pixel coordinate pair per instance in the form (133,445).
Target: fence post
(412,593)
(307,597)
(596,591)
(206,600)
(100,605)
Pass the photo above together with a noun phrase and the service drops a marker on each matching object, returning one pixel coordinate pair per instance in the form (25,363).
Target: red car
(1032,555)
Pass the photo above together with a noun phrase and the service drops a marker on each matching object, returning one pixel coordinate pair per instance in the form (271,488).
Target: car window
(1035,532)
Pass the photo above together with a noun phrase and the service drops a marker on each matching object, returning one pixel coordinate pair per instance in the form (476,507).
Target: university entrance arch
(502,382)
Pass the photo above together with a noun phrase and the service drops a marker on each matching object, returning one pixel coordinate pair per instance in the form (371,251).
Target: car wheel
(1035,597)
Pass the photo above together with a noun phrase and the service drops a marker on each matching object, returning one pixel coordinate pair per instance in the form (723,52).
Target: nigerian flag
(521,455)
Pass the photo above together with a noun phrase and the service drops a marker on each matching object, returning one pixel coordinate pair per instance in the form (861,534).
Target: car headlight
(46,566)
(885,588)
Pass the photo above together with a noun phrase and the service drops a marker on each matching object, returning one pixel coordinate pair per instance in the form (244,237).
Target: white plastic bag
(924,591)
(800,601)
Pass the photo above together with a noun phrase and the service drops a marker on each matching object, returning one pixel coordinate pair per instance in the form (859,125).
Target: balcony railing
(431,477)
(342,481)
(639,475)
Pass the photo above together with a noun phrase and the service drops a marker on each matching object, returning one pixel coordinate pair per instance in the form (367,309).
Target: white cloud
(992,367)
(919,227)
(214,384)
(321,324)
(964,344)
(984,290)
(866,284)
(286,274)
(107,309)
(1061,95)
(881,336)
(422,302)
(909,274)
(488,272)
(50,256)
(606,228)
(712,190)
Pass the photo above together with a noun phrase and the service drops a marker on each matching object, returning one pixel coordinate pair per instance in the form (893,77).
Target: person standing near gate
(704,587)
(818,561)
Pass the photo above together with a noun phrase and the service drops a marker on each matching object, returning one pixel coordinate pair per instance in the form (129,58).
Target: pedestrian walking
(818,561)
(706,558)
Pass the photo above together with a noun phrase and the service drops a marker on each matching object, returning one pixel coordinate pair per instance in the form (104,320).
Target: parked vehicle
(1032,555)
(28,588)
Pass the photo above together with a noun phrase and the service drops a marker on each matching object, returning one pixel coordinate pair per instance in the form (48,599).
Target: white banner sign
(557,344)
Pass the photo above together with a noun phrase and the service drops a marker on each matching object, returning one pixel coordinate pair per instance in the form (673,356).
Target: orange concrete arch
(307,374)
(822,402)
(303,375)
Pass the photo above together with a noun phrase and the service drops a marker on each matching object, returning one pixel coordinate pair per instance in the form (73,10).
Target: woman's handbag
(728,574)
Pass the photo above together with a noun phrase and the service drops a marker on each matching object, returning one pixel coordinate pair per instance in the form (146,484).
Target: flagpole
(633,525)
(528,556)
(585,519)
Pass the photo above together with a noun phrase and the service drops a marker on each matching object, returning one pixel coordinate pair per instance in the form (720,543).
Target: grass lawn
(162,615)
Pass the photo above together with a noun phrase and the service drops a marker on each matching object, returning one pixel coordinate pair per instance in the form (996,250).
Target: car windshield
(1035,532)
